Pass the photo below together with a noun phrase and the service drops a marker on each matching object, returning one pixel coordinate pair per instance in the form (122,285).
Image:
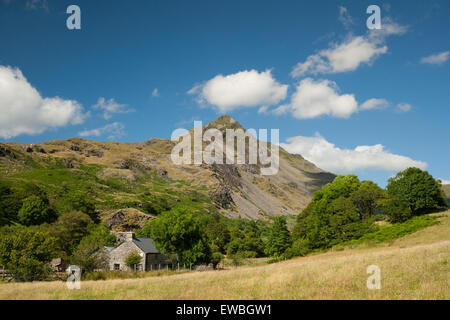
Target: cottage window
(116,266)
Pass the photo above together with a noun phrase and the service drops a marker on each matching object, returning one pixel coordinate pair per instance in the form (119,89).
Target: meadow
(415,266)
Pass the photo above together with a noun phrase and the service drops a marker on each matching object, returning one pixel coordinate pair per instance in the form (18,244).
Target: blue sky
(347,98)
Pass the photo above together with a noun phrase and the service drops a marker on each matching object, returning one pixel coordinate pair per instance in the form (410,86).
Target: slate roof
(146,244)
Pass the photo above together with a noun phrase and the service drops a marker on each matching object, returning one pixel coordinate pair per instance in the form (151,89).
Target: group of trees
(34,229)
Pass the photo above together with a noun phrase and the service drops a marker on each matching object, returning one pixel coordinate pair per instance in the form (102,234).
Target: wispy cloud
(353,52)
(112,131)
(404,107)
(155,93)
(110,107)
(437,59)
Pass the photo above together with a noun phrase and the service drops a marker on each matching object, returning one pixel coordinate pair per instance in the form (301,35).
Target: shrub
(132,260)
(216,258)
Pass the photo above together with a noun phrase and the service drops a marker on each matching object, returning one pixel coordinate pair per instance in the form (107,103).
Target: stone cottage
(151,257)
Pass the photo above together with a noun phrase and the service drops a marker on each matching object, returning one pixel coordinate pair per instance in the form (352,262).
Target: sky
(348,98)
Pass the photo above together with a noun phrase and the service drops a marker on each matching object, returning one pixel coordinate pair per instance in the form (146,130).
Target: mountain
(142,176)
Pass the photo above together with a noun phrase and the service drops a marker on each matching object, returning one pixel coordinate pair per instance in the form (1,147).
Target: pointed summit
(224,122)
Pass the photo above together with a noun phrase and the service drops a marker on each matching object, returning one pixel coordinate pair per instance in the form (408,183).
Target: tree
(332,217)
(279,238)
(132,260)
(35,211)
(182,232)
(90,254)
(216,258)
(26,253)
(76,201)
(218,235)
(367,198)
(69,229)
(418,190)
(397,211)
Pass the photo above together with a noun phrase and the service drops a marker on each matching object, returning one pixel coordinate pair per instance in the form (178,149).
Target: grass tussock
(413,267)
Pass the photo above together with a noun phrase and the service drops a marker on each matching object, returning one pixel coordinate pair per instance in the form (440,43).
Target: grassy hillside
(140,175)
(413,267)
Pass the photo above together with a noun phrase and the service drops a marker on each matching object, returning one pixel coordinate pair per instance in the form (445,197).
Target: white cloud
(445,181)
(113,130)
(374,104)
(404,107)
(242,89)
(329,157)
(351,53)
(316,98)
(155,93)
(438,58)
(24,111)
(111,106)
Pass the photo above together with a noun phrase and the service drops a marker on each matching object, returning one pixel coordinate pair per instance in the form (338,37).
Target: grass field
(416,266)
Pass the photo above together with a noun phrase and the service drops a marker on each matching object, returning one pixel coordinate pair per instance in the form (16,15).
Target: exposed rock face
(126,219)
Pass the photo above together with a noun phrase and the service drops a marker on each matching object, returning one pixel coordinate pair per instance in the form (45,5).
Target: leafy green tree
(367,198)
(397,211)
(279,238)
(10,204)
(26,253)
(90,253)
(132,260)
(35,211)
(418,190)
(76,201)
(69,230)
(182,232)
(218,235)
(332,217)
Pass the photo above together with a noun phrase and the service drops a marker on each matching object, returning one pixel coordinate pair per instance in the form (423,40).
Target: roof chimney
(129,236)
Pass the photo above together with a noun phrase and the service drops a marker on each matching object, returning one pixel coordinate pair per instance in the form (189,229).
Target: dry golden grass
(414,267)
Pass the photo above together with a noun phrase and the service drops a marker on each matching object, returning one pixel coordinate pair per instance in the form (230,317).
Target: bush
(300,248)
(132,260)
(216,258)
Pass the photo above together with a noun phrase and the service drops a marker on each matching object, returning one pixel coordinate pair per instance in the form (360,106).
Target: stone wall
(120,254)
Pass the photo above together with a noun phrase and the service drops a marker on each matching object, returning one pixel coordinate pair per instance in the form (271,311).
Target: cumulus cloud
(316,98)
(342,161)
(240,90)
(111,106)
(351,53)
(404,107)
(439,58)
(113,131)
(24,111)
